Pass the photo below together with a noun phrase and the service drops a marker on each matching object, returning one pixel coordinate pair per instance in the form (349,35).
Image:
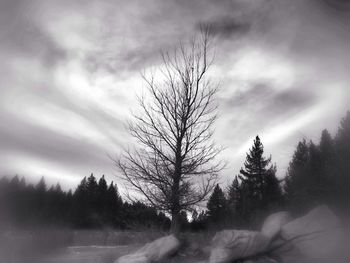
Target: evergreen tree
(40,195)
(217,206)
(81,205)
(297,173)
(234,198)
(102,201)
(92,191)
(114,205)
(315,183)
(342,178)
(343,136)
(313,176)
(328,169)
(342,144)
(261,187)
(272,192)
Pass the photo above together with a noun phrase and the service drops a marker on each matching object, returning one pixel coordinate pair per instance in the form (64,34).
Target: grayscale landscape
(202,131)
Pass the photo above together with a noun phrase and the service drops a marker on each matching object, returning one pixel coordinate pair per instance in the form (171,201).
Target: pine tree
(297,173)
(217,206)
(41,210)
(272,192)
(328,168)
(342,147)
(233,201)
(41,186)
(311,176)
(80,205)
(102,201)
(257,176)
(343,134)
(114,204)
(92,190)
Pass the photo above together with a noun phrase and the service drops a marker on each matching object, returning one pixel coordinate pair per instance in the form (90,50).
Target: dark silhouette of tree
(260,187)
(81,204)
(174,165)
(342,147)
(272,192)
(327,168)
(102,201)
(235,201)
(342,139)
(40,195)
(114,206)
(297,175)
(217,207)
(233,197)
(311,176)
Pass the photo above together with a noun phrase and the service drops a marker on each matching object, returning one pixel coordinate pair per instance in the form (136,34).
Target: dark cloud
(23,36)
(339,5)
(267,98)
(259,92)
(225,26)
(295,98)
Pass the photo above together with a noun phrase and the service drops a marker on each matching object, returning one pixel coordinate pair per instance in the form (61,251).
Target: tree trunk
(175,223)
(175,213)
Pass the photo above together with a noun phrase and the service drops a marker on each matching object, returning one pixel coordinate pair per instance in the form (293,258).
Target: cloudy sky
(70,71)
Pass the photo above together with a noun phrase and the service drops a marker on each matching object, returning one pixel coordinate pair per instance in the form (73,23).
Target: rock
(273,224)
(161,248)
(154,251)
(229,245)
(285,252)
(134,258)
(316,235)
(263,259)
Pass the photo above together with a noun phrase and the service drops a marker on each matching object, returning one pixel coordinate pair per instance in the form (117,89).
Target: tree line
(319,173)
(93,204)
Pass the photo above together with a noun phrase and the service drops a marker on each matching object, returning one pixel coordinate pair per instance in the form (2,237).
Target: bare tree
(174,165)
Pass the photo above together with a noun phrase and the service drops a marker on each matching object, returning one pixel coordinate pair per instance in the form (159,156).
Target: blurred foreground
(318,236)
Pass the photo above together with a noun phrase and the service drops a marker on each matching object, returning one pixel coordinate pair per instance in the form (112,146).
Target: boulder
(273,224)
(154,251)
(134,258)
(285,252)
(229,245)
(263,259)
(316,235)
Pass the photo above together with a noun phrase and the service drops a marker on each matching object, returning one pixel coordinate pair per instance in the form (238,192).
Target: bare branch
(174,165)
